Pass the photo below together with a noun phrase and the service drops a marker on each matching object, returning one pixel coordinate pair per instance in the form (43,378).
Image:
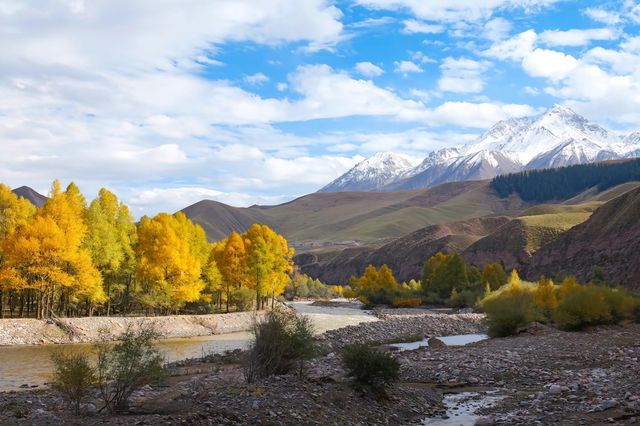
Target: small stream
(31,364)
(462,408)
(457,340)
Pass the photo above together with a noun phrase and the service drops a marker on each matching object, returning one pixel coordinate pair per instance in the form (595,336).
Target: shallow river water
(31,364)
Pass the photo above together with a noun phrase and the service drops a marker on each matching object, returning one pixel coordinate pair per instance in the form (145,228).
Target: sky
(167,102)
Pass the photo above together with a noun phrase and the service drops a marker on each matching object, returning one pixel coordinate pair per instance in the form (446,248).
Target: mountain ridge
(559,137)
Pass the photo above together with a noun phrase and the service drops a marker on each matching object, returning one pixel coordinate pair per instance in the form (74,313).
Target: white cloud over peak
(549,63)
(462,75)
(515,48)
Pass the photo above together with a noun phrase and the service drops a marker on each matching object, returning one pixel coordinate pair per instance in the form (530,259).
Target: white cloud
(121,34)
(496,29)
(575,37)
(469,114)
(533,91)
(462,75)
(422,58)
(406,67)
(154,200)
(256,79)
(631,44)
(515,48)
(604,16)
(549,63)
(411,26)
(423,95)
(369,69)
(281,87)
(455,10)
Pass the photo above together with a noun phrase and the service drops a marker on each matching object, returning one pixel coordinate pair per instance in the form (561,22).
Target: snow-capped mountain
(374,173)
(559,137)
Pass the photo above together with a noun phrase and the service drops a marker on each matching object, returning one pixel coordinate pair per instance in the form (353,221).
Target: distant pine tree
(566,182)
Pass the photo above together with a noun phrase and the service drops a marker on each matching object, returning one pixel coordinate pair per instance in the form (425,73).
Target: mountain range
(559,137)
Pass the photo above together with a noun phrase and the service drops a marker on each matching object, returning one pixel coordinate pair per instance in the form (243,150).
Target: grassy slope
(515,243)
(363,216)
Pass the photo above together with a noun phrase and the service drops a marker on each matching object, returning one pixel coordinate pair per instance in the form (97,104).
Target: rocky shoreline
(404,328)
(28,331)
(543,376)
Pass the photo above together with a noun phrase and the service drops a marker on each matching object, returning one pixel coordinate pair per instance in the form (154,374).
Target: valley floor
(544,377)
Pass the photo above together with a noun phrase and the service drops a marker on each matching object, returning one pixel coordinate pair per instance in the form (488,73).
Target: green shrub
(621,303)
(242,298)
(281,341)
(583,306)
(463,299)
(73,376)
(510,308)
(127,365)
(370,370)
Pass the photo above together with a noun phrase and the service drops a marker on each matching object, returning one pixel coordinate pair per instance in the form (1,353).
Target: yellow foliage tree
(14,212)
(231,257)
(269,261)
(567,286)
(169,266)
(45,256)
(514,280)
(545,296)
(110,238)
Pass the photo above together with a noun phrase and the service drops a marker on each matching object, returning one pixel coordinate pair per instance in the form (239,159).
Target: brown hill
(219,220)
(31,194)
(358,217)
(405,256)
(610,239)
(514,243)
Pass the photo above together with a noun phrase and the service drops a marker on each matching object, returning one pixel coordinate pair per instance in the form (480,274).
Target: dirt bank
(26,331)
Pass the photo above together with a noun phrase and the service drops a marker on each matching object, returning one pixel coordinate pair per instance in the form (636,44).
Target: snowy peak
(527,139)
(373,173)
(558,137)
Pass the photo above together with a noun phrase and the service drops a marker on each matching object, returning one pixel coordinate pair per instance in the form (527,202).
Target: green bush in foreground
(510,308)
(370,369)
(73,376)
(127,365)
(281,341)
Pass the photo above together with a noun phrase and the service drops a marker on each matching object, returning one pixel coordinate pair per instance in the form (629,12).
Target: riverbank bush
(73,377)
(304,286)
(242,298)
(370,369)
(587,305)
(127,365)
(571,306)
(280,342)
(120,369)
(510,308)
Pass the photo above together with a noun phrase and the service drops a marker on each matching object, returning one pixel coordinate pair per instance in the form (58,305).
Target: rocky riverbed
(543,377)
(405,328)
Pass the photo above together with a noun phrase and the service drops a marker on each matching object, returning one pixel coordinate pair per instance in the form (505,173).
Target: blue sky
(260,101)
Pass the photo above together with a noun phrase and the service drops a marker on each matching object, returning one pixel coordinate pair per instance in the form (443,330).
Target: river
(31,365)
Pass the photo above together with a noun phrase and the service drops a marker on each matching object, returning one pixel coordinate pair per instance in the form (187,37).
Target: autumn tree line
(509,303)
(72,258)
